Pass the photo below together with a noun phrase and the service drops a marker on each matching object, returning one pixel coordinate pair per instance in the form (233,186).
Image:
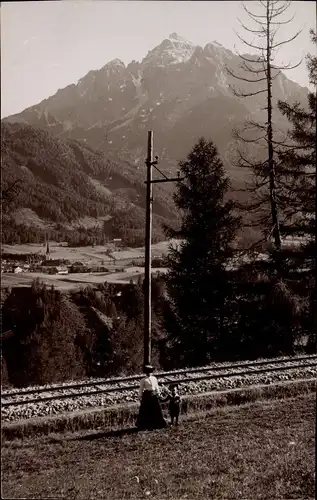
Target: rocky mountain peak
(177,38)
(173,50)
(180,90)
(115,63)
(113,67)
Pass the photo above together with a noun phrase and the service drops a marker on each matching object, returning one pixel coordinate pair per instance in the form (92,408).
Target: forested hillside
(87,332)
(60,182)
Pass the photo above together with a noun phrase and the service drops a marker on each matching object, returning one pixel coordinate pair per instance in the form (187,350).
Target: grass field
(88,254)
(73,280)
(109,256)
(256,451)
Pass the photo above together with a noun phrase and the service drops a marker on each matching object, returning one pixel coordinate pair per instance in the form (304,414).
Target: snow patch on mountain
(218,55)
(137,80)
(282,80)
(222,79)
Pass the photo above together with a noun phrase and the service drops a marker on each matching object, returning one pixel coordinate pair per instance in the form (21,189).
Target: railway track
(119,385)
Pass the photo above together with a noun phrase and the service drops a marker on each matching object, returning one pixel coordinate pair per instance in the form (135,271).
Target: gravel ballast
(122,417)
(117,397)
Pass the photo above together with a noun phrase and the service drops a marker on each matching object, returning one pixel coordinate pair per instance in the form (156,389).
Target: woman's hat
(148,368)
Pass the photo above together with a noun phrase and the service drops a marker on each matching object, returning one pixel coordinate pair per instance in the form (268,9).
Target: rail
(159,375)
(247,369)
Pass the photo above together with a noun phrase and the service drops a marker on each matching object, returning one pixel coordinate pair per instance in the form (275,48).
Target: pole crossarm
(157,181)
(175,179)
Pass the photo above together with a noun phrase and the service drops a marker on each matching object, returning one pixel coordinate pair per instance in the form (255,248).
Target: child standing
(174,403)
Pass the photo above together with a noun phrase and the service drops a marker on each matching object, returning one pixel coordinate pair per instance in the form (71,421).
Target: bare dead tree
(258,73)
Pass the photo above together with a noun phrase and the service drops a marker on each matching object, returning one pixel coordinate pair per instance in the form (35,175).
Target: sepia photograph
(158,250)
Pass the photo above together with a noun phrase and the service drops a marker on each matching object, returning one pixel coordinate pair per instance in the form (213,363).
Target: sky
(48,45)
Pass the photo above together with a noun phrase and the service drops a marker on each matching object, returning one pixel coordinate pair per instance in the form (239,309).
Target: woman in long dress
(150,413)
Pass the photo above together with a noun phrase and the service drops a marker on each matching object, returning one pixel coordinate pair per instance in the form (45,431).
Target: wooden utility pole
(148,240)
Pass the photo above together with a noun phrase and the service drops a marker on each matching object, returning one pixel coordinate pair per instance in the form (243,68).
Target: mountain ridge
(179,90)
(112,108)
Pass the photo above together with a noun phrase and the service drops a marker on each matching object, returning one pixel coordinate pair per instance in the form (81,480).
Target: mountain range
(179,90)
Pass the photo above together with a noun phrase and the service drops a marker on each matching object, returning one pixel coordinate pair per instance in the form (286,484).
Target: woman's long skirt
(150,413)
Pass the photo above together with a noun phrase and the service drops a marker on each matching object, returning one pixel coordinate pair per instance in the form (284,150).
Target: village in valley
(68,267)
(65,267)
(43,262)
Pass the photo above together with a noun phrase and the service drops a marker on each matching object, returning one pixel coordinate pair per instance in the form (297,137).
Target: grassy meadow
(257,451)
(88,254)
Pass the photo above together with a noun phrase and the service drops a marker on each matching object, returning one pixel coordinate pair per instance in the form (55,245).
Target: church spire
(47,250)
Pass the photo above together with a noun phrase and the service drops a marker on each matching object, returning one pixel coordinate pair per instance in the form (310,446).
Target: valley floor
(72,281)
(88,254)
(118,261)
(256,451)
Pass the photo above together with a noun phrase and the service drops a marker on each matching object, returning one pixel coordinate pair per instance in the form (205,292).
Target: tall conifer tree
(197,280)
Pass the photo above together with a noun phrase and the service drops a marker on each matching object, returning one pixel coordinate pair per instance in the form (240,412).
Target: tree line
(89,332)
